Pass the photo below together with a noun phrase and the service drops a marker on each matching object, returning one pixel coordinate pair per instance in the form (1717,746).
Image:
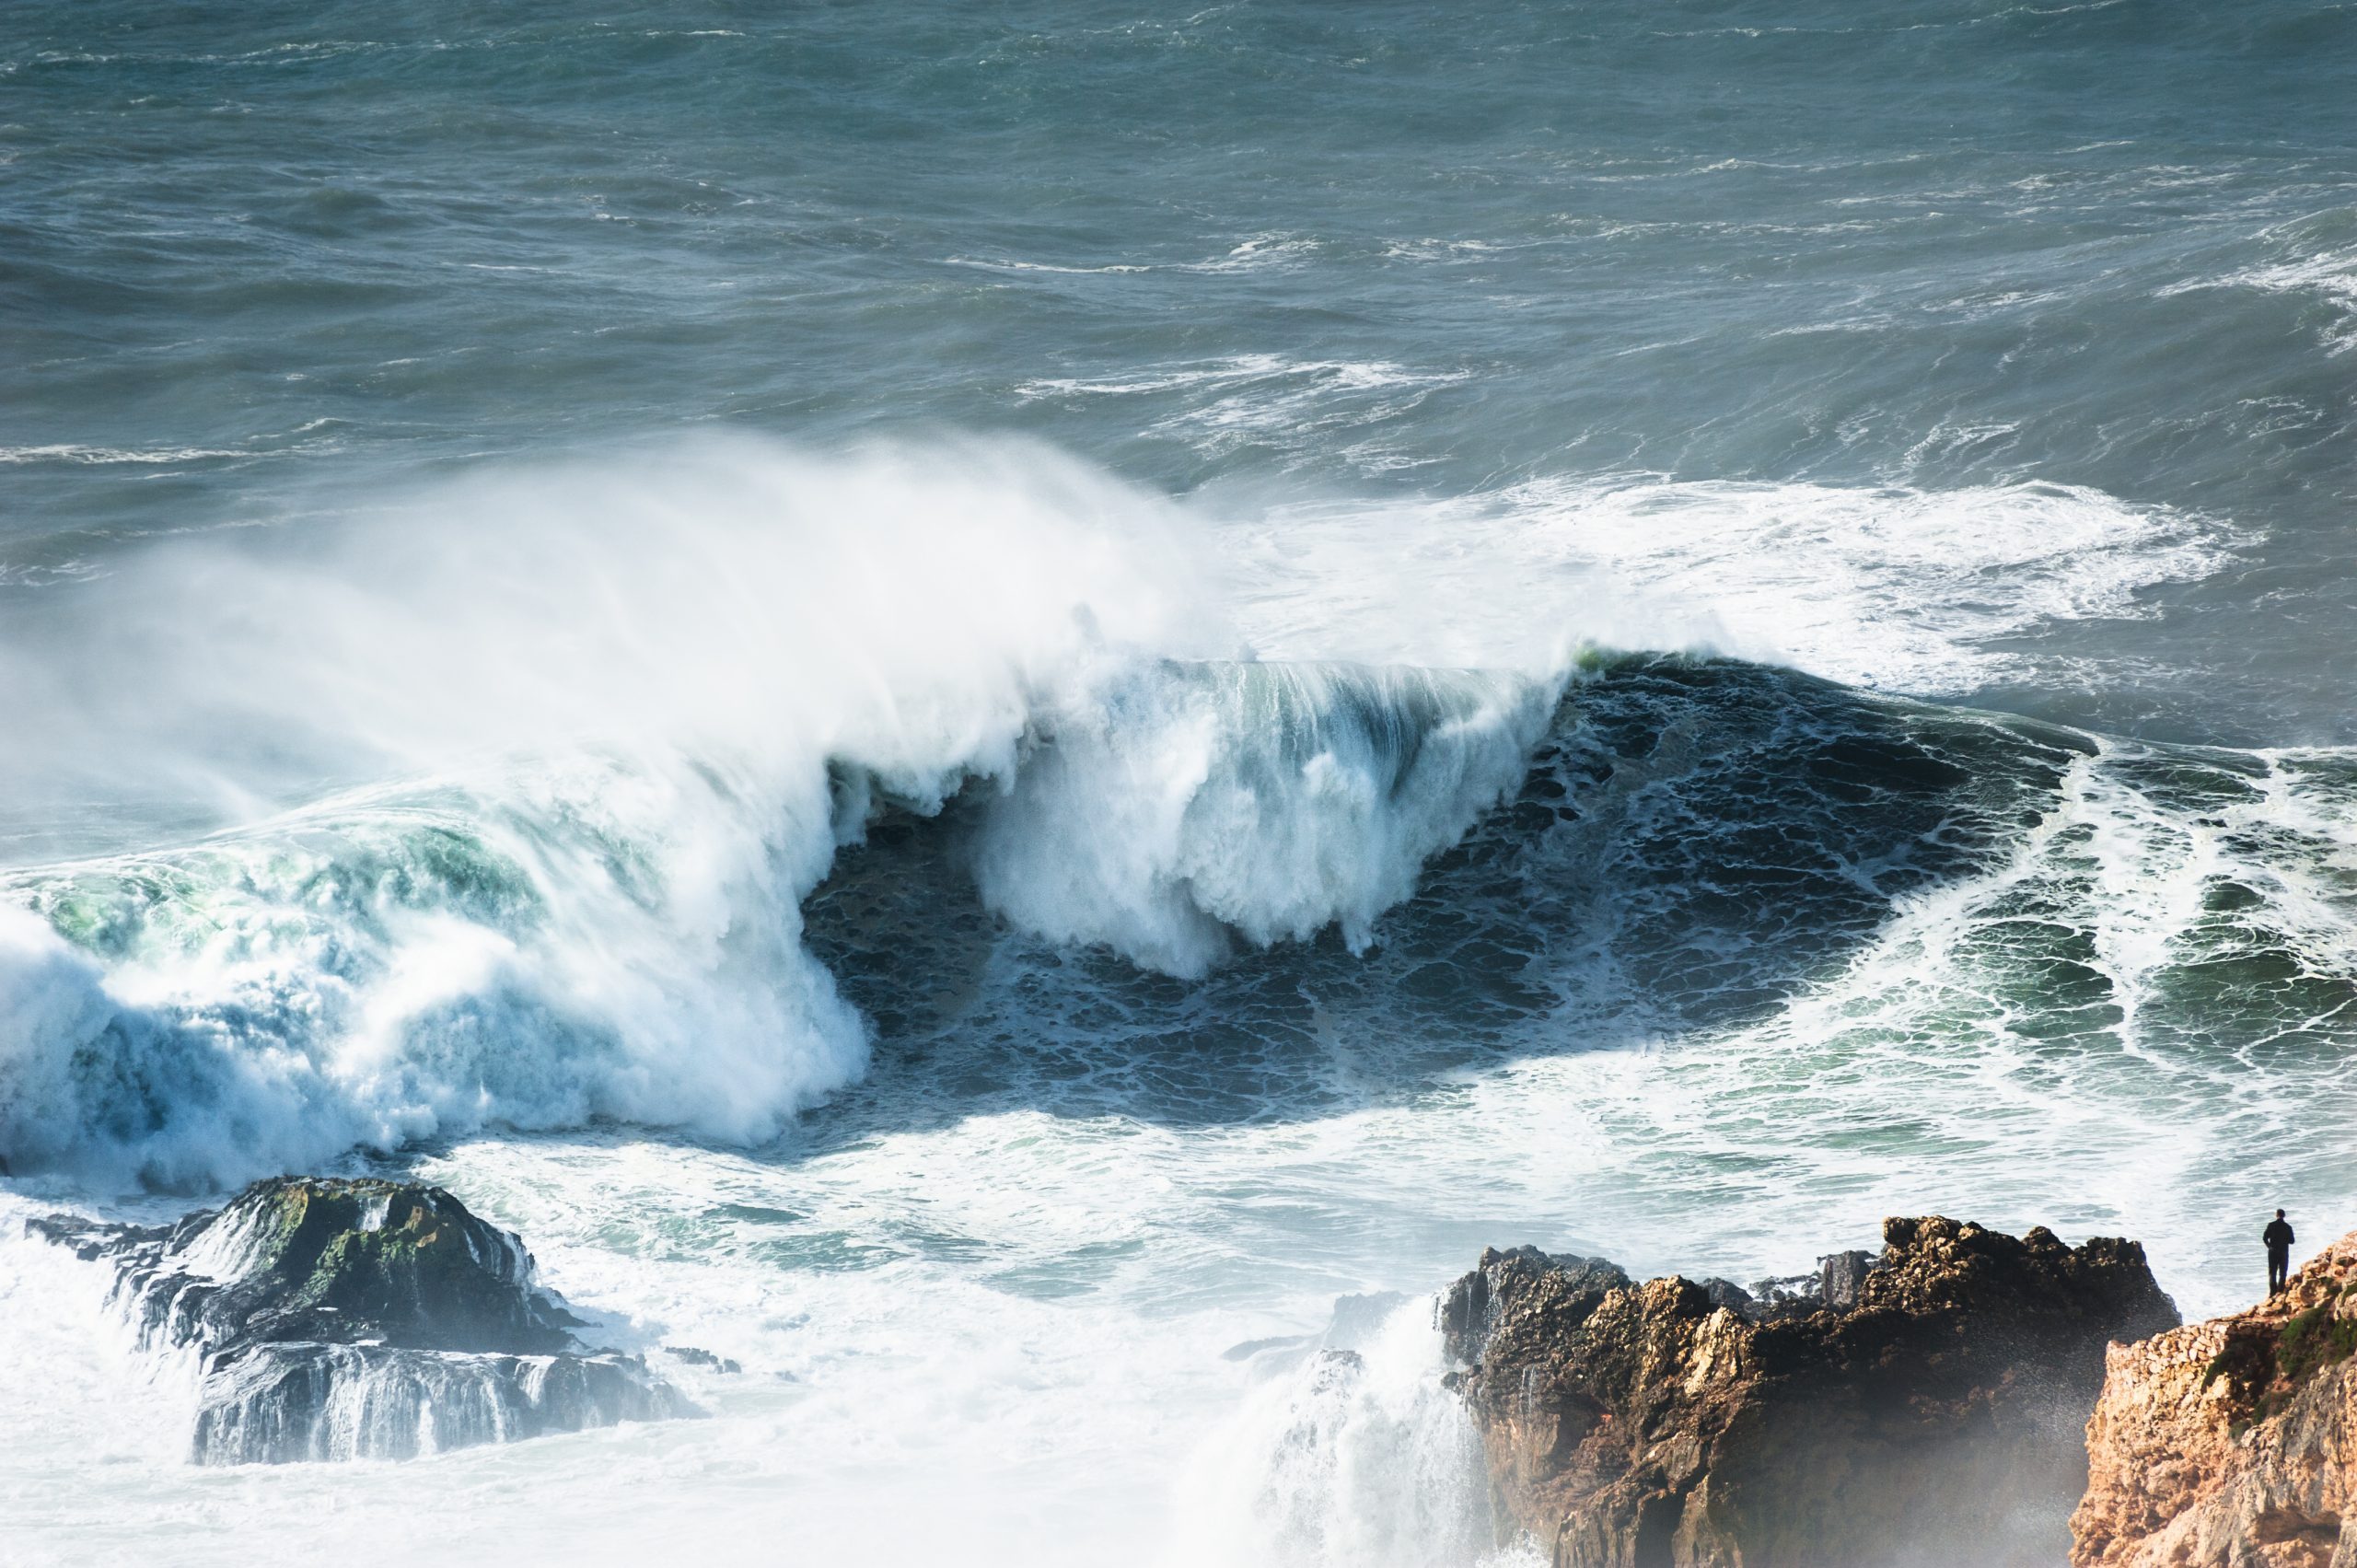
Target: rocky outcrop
(2232,1442)
(339,1319)
(1920,1407)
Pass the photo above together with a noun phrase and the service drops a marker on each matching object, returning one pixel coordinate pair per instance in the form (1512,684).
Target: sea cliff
(2232,1442)
(1921,1405)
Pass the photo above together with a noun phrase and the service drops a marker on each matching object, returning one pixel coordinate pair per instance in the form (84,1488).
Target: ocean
(1013,709)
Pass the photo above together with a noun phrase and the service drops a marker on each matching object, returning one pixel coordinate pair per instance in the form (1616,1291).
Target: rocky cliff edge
(2231,1443)
(1925,1406)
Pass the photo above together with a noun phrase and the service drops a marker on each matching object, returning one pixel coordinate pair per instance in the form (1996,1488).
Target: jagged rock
(1530,1279)
(339,1319)
(695,1356)
(2232,1442)
(1923,1410)
(1841,1276)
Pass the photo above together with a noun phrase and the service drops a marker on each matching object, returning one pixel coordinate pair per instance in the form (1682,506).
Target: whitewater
(1016,717)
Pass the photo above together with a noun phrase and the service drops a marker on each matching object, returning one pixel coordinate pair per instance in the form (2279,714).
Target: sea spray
(626,729)
(1194,804)
(748,606)
(1349,1452)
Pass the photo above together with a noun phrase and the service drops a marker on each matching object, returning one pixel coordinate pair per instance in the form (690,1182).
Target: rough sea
(1011,708)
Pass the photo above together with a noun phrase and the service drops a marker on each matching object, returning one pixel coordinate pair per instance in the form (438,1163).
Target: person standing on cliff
(2278,1237)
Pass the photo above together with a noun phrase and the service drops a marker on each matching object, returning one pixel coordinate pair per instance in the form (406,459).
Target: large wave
(632,715)
(662,790)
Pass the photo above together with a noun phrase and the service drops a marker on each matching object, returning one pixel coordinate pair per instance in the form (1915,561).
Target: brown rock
(1926,1408)
(2232,1442)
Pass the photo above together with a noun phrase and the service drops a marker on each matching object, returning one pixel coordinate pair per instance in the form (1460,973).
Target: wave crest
(635,712)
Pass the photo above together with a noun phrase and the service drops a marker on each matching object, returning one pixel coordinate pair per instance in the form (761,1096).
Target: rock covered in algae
(1921,1407)
(336,1319)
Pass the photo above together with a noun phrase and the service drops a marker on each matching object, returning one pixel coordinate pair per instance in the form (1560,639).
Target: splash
(1348,1454)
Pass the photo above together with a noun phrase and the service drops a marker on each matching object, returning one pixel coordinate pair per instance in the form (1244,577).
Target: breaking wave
(635,720)
(664,793)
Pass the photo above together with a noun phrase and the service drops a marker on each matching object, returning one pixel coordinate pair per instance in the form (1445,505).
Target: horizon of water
(1018,713)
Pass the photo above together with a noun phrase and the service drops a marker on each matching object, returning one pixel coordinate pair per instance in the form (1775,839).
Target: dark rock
(1836,1283)
(336,1319)
(1920,1408)
(1841,1276)
(695,1357)
(1571,1286)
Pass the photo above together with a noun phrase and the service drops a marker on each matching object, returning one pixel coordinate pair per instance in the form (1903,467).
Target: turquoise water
(980,702)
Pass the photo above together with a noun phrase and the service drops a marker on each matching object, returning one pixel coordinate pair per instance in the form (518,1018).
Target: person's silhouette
(2279,1239)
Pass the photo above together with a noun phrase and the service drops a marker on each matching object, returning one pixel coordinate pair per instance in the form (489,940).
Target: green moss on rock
(2313,1340)
(396,1261)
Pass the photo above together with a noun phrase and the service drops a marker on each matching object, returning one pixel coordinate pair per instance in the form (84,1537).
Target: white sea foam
(1258,253)
(1262,252)
(1897,589)
(1014,266)
(1085,1335)
(1177,811)
(1241,370)
(2312,257)
(2331,276)
(1348,1454)
(102,456)
(1226,404)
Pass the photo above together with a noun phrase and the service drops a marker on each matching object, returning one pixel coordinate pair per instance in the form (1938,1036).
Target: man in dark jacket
(2277,1237)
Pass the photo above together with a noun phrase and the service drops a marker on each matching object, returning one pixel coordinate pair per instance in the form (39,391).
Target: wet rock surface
(2232,1442)
(1922,1406)
(355,1319)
